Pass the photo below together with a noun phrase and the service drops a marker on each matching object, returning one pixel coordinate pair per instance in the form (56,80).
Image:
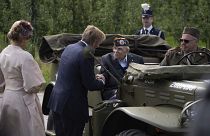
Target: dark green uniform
(173,56)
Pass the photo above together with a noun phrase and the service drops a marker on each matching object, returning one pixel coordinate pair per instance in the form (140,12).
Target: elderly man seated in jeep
(188,53)
(117,62)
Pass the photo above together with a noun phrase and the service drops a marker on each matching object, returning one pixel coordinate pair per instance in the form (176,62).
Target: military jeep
(152,100)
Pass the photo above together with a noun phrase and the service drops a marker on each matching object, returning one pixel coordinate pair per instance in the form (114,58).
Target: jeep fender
(163,117)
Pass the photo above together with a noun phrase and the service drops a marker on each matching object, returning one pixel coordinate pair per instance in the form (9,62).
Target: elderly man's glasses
(186,41)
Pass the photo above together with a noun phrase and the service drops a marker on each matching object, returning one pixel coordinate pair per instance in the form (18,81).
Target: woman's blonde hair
(93,34)
(19,30)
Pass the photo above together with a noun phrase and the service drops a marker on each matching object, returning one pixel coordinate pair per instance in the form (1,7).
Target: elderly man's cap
(146,10)
(121,42)
(192,31)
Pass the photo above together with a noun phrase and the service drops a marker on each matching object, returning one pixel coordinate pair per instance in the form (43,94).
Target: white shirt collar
(149,28)
(84,42)
(123,62)
(124,59)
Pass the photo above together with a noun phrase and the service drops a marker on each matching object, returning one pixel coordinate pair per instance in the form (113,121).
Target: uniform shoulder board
(206,50)
(174,50)
(159,33)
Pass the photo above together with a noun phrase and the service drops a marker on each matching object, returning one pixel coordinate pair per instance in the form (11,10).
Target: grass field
(46,70)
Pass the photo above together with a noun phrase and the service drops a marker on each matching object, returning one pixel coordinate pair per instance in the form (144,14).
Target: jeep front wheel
(131,132)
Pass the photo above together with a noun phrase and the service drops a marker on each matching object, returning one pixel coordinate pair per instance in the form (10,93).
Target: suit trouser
(65,126)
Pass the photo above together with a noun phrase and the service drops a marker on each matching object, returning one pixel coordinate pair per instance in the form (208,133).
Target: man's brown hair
(93,34)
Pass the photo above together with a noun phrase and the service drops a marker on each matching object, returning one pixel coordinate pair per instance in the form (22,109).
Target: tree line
(112,16)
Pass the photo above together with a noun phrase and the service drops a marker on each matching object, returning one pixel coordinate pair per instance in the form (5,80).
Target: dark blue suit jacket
(75,77)
(153,31)
(116,69)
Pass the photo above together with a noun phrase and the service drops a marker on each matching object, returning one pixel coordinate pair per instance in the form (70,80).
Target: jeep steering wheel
(193,52)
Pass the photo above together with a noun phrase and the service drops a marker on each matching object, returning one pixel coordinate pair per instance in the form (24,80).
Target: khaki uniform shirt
(173,56)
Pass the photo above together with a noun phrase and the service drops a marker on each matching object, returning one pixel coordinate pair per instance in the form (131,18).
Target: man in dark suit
(117,62)
(147,20)
(68,100)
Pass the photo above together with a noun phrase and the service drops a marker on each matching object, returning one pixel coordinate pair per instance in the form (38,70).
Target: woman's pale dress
(21,113)
(2,85)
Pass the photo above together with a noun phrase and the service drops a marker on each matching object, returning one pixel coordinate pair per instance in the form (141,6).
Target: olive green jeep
(152,100)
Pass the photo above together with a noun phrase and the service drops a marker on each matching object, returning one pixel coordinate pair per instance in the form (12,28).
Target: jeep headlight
(128,79)
(189,112)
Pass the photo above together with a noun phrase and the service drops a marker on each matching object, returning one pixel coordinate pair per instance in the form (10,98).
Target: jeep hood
(178,72)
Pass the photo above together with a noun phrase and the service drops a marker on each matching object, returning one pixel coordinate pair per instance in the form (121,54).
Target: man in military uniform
(147,20)
(117,62)
(189,43)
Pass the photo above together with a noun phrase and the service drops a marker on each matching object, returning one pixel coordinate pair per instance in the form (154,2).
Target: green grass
(46,70)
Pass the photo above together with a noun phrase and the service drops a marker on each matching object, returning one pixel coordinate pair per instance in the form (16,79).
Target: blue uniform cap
(147,13)
(121,42)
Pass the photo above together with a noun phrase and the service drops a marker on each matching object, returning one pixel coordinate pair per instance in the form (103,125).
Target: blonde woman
(21,113)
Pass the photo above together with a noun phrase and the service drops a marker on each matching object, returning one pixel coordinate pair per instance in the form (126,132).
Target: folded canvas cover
(144,45)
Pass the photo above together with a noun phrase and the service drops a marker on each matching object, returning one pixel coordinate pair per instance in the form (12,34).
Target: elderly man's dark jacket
(173,56)
(112,64)
(153,31)
(75,77)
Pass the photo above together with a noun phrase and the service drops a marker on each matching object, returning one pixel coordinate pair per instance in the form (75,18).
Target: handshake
(100,77)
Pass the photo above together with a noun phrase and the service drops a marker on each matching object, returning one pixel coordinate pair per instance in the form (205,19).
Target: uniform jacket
(153,31)
(115,68)
(75,77)
(172,57)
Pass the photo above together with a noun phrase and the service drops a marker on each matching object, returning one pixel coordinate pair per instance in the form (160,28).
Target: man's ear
(197,41)
(128,49)
(113,48)
(152,18)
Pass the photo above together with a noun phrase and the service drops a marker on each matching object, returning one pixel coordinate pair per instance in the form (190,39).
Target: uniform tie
(146,31)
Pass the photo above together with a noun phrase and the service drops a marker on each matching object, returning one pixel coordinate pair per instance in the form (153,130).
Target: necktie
(146,31)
